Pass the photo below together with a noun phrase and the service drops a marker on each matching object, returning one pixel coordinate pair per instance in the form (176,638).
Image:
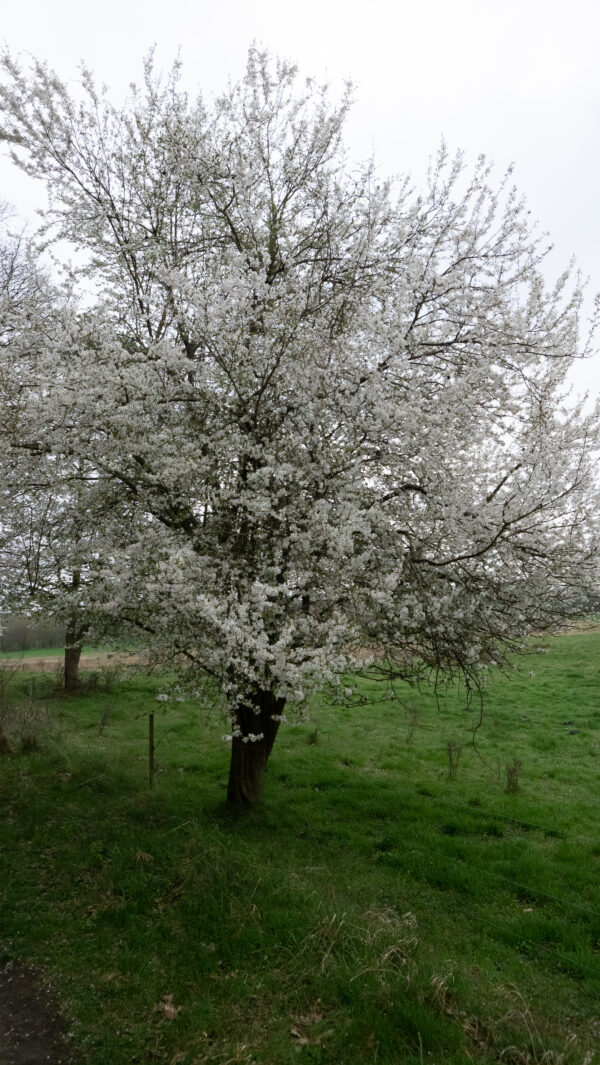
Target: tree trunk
(249,757)
(73,640)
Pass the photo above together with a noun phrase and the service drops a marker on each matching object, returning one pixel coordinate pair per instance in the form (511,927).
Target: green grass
(49,652)
(372,910)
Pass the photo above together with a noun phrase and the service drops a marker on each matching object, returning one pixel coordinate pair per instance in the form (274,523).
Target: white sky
(518,80)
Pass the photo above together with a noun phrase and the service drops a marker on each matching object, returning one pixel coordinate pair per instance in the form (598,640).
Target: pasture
(401,896)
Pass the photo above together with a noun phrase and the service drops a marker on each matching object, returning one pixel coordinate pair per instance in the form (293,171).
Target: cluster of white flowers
(323,425)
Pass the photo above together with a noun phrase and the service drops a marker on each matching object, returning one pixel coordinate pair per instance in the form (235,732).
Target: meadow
(411,889)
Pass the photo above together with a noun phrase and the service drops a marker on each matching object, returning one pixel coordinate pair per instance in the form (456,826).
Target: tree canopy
(334,406)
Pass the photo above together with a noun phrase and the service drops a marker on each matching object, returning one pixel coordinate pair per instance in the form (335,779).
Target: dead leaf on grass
(312,1017)
(302,1031)
(166,1007)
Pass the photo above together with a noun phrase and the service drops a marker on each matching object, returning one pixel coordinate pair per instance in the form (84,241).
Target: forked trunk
(249,756)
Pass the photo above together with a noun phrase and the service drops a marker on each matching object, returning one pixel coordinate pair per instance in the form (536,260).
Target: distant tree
(53,549)
(48,550)
(336,405)
(48,521)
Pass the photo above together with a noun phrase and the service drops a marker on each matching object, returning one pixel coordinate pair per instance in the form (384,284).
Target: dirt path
(31,1031)
(89,661)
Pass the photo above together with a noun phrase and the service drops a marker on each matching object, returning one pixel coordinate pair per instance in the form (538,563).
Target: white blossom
(325,418)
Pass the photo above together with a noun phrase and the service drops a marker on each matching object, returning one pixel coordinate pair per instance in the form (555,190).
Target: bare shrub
(9,670)
(5,747)
(512,776)
(413,720)
(454,751)
(22,722)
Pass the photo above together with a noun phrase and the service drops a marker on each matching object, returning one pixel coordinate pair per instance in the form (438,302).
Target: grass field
(375,909)
(45,652)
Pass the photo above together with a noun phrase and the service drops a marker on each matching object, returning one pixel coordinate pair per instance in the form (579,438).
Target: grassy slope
(373,910)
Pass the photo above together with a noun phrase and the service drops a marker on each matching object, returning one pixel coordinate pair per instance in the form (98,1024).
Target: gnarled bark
(249,757)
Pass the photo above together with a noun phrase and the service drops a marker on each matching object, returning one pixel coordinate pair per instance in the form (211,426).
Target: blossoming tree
(335,404)
(51,505)
(34,536)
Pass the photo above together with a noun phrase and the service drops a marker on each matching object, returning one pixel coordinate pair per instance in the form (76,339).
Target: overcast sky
(515,79)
